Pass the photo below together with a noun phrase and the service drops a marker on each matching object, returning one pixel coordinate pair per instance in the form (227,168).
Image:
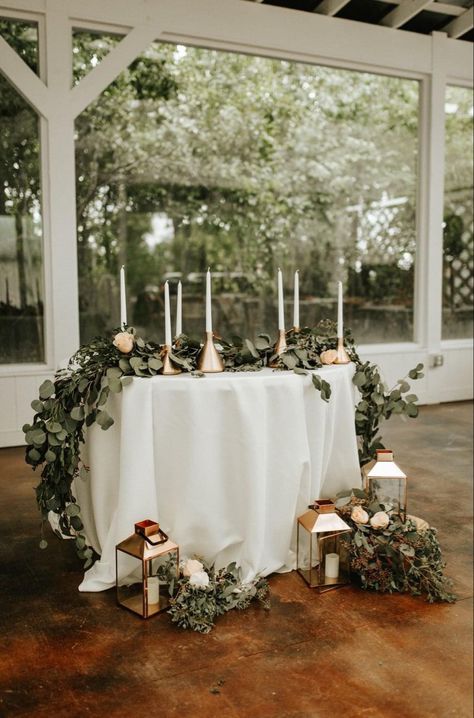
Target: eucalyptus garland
(390,555)
(78,397)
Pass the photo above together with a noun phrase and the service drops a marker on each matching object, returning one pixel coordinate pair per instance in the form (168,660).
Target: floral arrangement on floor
(390,556)
(201,593)
(78,396)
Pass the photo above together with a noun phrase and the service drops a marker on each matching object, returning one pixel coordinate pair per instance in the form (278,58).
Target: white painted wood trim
(107,70)
(28,84)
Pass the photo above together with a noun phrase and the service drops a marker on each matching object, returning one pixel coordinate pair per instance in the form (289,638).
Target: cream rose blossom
(124,342)
(380,520)
(191,566)
(200,579)
(329,356)
(359,515)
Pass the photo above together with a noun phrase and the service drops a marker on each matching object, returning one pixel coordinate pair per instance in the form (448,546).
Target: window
(21,252)
(458,246)
(195,158)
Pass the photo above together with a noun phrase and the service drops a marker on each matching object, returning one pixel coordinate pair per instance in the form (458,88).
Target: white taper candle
(123,299)
(281,309)
(340,321)
(167,316)
(208,302)
(296,307)
(179,311)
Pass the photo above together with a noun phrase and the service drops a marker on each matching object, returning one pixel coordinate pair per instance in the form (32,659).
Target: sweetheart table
(225,463)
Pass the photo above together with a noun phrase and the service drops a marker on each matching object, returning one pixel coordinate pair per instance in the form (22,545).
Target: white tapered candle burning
(123,299)
(208,302)
(167,316)
(281,309)
(179,311)
(296,302)
(340,321)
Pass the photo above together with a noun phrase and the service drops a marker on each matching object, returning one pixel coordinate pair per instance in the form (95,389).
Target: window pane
(23,37)
(458,215)
(195,158)
(21,252)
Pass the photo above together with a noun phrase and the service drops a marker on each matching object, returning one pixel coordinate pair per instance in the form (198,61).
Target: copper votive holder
(168,368)
(342,355)
(279,348)
(209,360)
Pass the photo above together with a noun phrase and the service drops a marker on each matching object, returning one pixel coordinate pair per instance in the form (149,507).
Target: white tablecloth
(225,463)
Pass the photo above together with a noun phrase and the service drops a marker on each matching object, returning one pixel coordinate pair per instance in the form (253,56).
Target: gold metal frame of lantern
(147,545)
(385,480)
(327,545)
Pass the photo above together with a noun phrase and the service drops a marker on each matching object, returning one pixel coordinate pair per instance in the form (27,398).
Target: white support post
(430,257)
(60,185)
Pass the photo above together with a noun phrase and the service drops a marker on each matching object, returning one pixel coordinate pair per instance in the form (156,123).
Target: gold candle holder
(280,347)
(168,368)
(342,355)
(209,360)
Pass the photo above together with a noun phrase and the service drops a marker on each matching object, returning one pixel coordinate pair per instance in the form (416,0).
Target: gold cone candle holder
(168,368)
(342,355)
(209,360)
(280,347)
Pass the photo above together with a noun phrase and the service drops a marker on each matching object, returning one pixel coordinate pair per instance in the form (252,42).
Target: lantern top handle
(323,506)
(384,454)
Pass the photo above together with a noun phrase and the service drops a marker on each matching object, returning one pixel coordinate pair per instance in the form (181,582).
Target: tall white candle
(208,302)
(281,310)
(179,311)
(167,316)
(340,321)
(296,307)
(123,299)
(153,586)
(331,568)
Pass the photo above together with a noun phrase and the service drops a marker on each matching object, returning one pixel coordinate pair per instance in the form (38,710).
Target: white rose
(359,515)
(124,342)
(380,520)
(329,356)
(191,566)
(421,524)
(200,579)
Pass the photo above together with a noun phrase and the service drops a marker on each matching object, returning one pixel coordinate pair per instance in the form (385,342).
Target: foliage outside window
(21,252)
(458,247)
(195,158)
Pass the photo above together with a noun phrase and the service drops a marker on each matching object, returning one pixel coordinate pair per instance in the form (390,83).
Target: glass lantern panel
(308,563)
(390,494)
(162,570)
(130,583)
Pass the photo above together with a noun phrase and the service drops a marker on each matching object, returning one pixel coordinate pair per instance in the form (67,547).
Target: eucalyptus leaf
(37,406)
(46,389)
(77,413)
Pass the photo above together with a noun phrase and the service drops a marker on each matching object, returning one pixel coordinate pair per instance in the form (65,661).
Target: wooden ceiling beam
(404,12)
(441,7)
(460,25)
(330,7)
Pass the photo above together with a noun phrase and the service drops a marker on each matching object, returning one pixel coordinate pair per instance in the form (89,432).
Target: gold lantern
(386,483)
(137,562)
(323,546)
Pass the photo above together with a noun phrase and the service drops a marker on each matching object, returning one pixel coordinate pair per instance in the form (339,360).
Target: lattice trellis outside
(458,285)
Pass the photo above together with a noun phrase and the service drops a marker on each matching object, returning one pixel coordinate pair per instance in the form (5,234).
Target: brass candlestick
(209,360)
(168,368)
(280,347)
(342,355)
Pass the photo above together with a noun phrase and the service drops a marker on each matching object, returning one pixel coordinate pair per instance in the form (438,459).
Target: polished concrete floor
(346,653)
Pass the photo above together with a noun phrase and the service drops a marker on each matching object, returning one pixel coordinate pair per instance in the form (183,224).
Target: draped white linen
(225,463)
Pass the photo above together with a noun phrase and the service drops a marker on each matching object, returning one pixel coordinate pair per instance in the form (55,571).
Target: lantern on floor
(322,547)
(386,483)
(137,562)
